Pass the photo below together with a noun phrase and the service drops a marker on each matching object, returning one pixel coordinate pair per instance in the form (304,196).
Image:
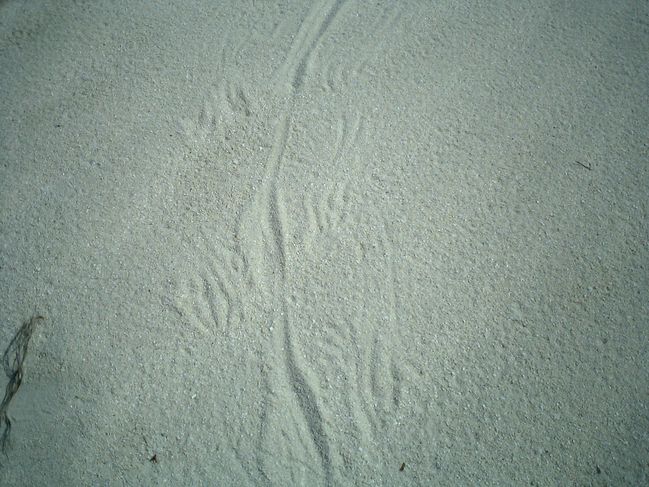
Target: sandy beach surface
(325,242)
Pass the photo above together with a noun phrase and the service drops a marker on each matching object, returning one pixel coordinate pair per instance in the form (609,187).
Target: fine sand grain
(326,242)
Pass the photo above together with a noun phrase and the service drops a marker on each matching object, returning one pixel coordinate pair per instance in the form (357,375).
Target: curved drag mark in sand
(273,223)
(303,285)
(339,254)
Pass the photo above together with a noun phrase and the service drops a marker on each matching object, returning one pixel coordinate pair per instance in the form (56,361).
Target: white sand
(304,244)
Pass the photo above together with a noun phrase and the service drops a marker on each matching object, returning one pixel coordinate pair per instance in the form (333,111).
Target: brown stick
(13,360)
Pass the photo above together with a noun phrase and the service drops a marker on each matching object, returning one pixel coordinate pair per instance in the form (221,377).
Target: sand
(326,243)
